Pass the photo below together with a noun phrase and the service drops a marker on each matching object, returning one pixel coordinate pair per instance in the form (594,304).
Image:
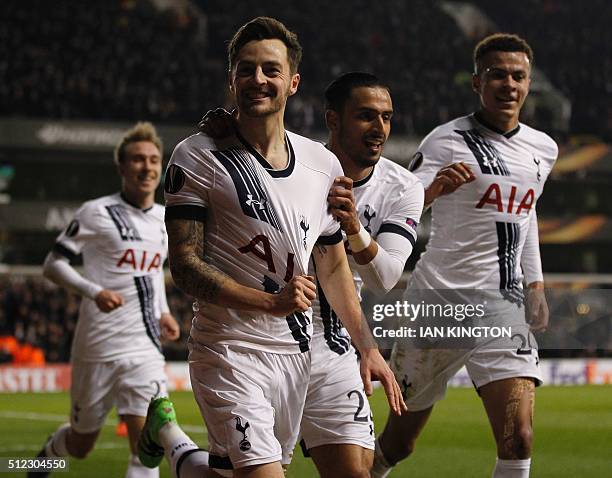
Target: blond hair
(141,131)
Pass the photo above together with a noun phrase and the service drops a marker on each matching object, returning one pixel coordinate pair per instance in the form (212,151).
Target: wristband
(359,241)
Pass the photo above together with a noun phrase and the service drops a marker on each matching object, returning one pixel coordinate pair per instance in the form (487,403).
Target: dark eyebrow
(252,63)
(365,109)
(519,70)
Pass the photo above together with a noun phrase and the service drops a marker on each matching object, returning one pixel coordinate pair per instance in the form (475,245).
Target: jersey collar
(507,134)
(127,201)
(275,173)
(361,182)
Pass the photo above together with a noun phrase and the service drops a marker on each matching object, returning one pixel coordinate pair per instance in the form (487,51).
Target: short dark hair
(141,131)
(339,91)
(266,28)
(500,42)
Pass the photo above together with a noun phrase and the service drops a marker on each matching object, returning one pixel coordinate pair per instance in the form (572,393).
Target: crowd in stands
(40,315)
(573,46)
(123,60)
(37,313)
(105,60)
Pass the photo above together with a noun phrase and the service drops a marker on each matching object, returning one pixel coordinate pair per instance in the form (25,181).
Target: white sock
(381,467)
(56,445)
(512,468)
(137,470)
(176,445)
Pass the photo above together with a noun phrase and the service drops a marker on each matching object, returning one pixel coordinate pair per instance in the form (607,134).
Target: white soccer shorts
(337,410)
(129,384)
(423,373)
(251,401)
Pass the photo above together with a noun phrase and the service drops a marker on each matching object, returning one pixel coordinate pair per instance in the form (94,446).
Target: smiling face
(140,172)
(363,126)
(261,78)
(502,83)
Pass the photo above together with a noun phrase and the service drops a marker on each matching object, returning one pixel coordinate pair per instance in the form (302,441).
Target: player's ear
(120,167)
(331,120)
(476,83)
(295,81)
(230,82)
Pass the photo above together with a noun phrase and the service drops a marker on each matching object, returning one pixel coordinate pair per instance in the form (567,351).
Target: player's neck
(267,136)
(351,169)
(138,200)
(499,123)
(355,171)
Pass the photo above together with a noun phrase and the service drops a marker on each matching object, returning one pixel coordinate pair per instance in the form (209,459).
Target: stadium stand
(122,60)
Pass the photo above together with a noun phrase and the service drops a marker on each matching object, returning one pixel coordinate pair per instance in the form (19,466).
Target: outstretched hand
(374,367)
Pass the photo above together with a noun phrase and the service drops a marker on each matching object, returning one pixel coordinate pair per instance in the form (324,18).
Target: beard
(276,103)
(357,151)
(252,110)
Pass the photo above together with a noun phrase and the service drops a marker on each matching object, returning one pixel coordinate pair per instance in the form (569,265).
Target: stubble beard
(253,111)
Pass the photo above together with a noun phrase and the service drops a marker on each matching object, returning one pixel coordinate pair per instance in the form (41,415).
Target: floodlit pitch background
(573,435)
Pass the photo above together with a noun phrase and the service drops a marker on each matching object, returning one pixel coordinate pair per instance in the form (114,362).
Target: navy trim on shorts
(220,462)
(304,448)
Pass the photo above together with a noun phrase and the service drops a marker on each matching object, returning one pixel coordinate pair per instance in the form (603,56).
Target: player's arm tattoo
(321,249)
(186,256)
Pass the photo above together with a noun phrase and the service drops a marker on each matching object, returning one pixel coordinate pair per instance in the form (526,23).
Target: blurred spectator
(44,316)
(115,60)
(41,315)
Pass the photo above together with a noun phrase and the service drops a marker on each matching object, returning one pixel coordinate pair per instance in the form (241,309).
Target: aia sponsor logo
(506,199)
(140,260)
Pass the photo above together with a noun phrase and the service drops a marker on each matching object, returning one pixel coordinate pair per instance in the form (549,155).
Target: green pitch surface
(573,435)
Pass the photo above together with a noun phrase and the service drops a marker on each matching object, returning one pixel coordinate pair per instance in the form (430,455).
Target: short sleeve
(189,178)
(433,154)
(80,231)
(330,228)
(405,213)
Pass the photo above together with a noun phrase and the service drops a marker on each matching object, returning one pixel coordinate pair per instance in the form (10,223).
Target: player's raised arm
(196,277)
(380,262)
(335,277)
(448,180)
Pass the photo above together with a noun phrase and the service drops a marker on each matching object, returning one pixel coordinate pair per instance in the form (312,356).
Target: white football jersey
(389,201)
(478,232)
(260,227)
(124,249)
